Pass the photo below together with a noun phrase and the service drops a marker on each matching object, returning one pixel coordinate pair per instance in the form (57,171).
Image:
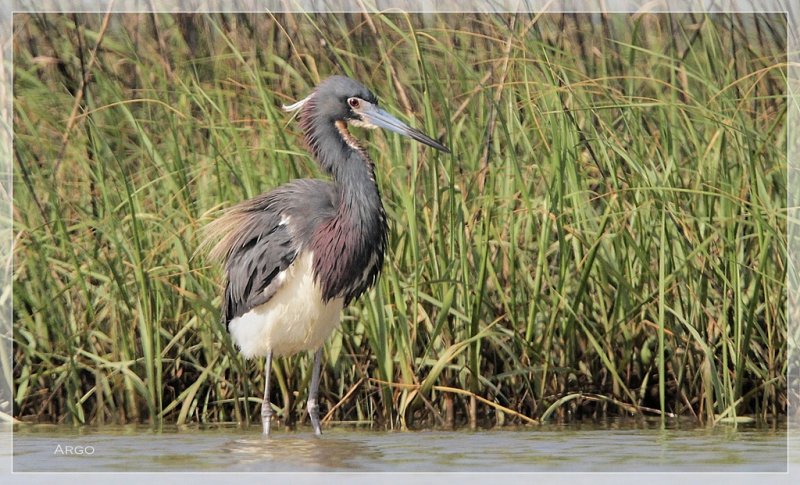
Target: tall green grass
(607,238)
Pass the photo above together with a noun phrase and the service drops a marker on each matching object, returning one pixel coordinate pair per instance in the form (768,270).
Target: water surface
(609,447)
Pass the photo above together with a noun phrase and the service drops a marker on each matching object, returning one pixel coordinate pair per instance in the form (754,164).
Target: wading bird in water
(294,257)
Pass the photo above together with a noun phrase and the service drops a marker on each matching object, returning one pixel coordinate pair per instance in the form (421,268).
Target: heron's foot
(313,413)
(266,418)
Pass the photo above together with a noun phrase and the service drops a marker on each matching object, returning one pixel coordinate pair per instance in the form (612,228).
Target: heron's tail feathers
(223,234)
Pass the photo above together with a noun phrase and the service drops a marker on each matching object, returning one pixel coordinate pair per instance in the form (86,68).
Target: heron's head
(341,99)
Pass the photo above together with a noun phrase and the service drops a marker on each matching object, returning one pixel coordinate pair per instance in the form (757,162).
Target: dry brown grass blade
(343,400)
(73,116)
(401,90)
(463,392)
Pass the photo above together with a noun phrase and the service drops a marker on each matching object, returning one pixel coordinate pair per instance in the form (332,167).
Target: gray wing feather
(258,244)
(252,268)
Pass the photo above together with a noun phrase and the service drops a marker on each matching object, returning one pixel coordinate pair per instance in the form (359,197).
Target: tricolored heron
(296,256)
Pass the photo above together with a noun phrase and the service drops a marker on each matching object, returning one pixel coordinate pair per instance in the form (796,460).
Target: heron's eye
(354,102)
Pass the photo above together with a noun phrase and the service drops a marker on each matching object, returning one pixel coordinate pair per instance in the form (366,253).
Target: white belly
(293,320)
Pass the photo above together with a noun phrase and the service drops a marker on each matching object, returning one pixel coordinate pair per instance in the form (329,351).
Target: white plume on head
(297,105)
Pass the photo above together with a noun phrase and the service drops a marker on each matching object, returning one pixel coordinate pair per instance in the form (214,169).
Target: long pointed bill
(376,116)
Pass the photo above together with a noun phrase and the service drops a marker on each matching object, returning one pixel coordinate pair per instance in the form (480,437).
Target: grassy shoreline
(607,238)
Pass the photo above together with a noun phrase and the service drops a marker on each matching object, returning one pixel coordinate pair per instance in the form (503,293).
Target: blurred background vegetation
(607,238)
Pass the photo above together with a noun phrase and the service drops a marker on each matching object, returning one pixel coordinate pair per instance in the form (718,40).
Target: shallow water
(609,447)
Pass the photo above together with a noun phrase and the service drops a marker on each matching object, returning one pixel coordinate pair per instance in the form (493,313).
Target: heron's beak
(375,116)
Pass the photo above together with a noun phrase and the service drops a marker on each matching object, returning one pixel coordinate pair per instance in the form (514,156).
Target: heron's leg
(266,407)
(313,390)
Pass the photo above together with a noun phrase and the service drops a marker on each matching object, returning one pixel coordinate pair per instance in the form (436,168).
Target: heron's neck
(360,206)
(348,247)
(338,154)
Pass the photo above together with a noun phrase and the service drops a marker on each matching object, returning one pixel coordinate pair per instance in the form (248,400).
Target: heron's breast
(349,255)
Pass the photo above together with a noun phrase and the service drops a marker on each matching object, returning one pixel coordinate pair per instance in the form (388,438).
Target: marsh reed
(607,238)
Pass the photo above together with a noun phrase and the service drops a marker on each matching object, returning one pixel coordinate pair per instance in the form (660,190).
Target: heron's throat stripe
(346,136)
